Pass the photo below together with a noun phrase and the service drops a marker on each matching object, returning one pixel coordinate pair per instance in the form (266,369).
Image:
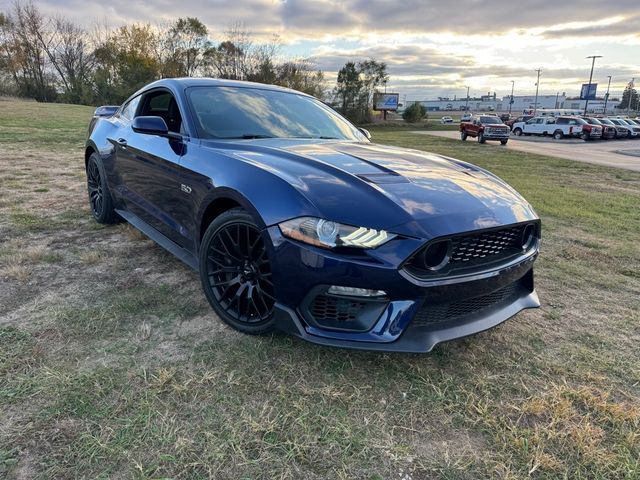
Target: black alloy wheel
(236,273)
(100,200)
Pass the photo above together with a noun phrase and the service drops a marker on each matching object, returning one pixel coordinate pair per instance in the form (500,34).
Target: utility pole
(535,106)
(593,62)
(466,105)
(630,96)
(513,83)
(606,95)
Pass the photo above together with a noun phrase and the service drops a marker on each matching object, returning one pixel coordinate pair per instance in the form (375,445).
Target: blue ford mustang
(296,221)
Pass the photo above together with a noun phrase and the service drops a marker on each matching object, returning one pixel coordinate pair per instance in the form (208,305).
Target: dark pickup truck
(485,127)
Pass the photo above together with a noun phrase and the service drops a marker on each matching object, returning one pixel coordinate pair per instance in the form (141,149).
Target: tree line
(53,59)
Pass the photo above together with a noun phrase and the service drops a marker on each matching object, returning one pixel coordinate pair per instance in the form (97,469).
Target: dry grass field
(112,364)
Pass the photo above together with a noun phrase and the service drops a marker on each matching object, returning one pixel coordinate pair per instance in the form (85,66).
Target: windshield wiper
(320,137)
(248,136)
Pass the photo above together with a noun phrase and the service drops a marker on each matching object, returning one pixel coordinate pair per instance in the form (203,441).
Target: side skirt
(169,245)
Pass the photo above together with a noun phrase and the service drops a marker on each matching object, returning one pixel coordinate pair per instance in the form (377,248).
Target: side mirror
(365,132)
(150,126)
(153,126)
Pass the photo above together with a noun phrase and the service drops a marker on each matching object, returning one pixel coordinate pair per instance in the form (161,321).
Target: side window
(572,122)
(161,103)
(129,110)
(561,121)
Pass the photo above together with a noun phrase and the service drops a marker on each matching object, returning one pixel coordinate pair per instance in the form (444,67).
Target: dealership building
(521,103)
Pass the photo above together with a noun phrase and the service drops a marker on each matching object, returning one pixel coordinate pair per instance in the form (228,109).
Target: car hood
(405,191)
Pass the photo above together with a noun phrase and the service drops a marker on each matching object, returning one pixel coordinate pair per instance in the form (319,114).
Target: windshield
(606,121)
(242,112)
(490,120)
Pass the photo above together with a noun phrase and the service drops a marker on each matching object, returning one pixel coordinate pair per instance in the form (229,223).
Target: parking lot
(621,154)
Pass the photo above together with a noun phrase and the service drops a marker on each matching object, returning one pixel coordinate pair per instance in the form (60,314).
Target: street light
(466,105)
(606,95)
(513,83)
(535,106)
(593,62)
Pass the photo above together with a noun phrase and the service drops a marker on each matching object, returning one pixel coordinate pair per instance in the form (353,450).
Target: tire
(235,273)
(481,138)
(463,135)
(584,136)
(100,201)
(503,142)
(558,135)
(517,132)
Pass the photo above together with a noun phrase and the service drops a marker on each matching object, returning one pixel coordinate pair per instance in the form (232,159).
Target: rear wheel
(558,135)
(517,131)
(235,272)
(100,199)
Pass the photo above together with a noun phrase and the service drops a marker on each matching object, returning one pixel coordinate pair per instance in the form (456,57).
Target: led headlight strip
(328,234)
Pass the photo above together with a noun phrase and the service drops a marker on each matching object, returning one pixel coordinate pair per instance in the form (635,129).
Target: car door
(532,126)
(151,165)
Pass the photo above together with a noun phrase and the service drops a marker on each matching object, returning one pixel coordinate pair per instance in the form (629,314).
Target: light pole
(466,105)
(593,62)
(557,95)
(535,106)
(513,83)
(630,96)
(606,95)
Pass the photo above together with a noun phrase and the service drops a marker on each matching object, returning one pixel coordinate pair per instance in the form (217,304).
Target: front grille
(472,251)
(325,307)
(431,314)
(474,248)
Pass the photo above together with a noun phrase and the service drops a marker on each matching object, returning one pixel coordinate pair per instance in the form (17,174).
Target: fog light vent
(355,292)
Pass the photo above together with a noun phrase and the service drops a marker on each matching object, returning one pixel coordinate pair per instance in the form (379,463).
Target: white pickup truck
(558,127)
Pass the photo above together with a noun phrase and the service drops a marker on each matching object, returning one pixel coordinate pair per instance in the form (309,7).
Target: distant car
(521,118)
(608,131)
(466,117)
(630,130)
(558,127)
(635,128)
(590,131)
(444,120)
(505,117)
(621,131)
(485,127)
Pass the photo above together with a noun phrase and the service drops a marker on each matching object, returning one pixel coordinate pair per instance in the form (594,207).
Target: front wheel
(517,132)
(235,272)
(584,136)
(503,142)
(463,135)
(558,135)
(481,138)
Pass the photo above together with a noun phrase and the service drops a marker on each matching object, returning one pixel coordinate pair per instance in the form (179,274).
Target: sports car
(296,221)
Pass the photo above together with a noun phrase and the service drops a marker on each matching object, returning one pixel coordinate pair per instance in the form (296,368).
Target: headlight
(327,234)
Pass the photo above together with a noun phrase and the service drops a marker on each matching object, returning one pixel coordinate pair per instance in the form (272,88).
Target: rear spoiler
(106,111)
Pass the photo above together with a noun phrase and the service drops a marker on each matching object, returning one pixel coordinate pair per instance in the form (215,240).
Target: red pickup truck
(485,127)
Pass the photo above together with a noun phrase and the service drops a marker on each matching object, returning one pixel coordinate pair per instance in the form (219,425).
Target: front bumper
(413,317)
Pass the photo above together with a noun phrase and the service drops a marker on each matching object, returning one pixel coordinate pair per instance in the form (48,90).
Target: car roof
(186,82)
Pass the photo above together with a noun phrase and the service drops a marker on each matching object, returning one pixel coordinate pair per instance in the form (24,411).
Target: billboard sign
(588,91)
(386,101)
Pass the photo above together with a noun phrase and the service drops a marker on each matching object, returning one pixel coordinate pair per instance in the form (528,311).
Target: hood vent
(383,178)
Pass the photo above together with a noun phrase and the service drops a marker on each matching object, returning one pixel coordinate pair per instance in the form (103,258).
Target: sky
(432,48)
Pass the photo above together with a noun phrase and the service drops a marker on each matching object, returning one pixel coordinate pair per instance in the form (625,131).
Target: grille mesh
(476,247)
(472,251)
(325,307)
(431,314)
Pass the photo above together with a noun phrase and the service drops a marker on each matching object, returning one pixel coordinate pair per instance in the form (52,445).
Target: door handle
(122,142)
